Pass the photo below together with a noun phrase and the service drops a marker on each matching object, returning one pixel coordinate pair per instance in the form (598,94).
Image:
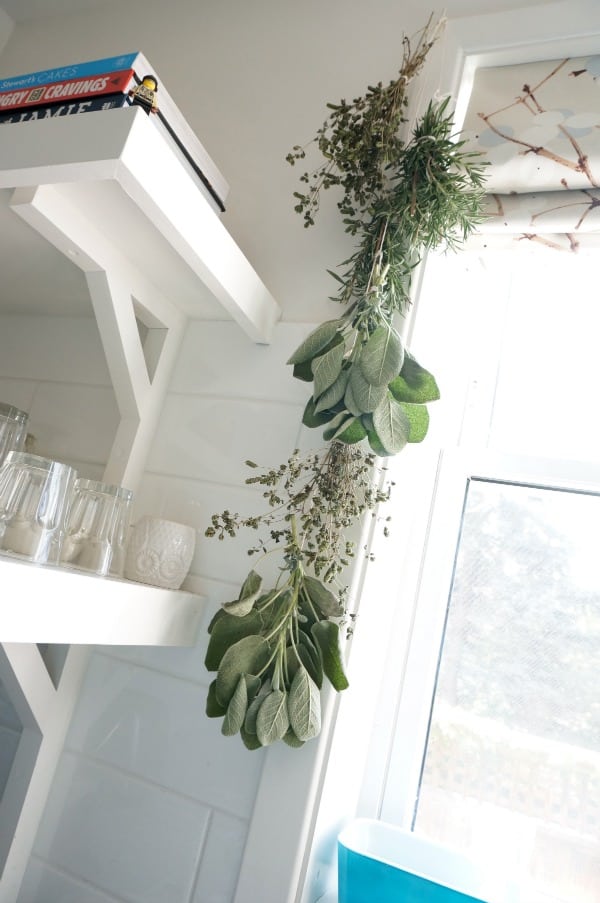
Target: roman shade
(538,127)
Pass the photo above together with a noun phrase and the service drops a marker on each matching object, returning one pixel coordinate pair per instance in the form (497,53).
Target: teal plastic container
(380,863)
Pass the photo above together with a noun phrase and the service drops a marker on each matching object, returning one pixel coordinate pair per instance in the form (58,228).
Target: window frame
(399,795)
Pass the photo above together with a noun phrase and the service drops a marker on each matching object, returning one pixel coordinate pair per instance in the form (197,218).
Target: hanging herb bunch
(273,648)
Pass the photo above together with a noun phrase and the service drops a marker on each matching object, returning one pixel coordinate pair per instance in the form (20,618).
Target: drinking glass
(34,496)
(13,429)
(96,531)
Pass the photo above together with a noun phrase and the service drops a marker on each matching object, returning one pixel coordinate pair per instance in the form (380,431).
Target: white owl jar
(159,552)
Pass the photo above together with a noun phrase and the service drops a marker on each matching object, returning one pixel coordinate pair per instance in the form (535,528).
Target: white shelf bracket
(115,316)
(121,295)
(140,380)
(122,150)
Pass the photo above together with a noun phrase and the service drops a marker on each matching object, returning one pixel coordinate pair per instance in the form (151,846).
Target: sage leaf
(375,443)
(414,383)
(251,586)
(338,420)
(382,356)
(214,709)
(236,710)
(326,635)
(303,371)
(247,656)
(315,342)
(418,419)
(250,719)
(292,740)
(227,630)
(391,425)
(312,660)
(293,660)
(350,402)
(299,656)
(327,367)
(306,608)
(351,432)
(249,593)
(250,741)
(327,603)
(333,394)
(239,607)
(253,685)
(365,395)
(272,720)
(311,419)
(304,706)
(216,617)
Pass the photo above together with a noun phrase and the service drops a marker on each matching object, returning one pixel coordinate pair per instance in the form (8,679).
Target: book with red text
(168,118)
(69,89)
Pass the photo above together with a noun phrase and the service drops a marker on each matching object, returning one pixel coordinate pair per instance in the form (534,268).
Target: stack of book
(102,85)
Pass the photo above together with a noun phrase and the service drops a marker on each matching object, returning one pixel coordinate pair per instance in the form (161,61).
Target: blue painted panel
(381,863)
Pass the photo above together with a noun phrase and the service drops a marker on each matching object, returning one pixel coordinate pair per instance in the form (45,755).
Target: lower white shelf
(44,604)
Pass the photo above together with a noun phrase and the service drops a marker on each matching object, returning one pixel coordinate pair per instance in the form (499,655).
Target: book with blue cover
(74,70)
(168,117)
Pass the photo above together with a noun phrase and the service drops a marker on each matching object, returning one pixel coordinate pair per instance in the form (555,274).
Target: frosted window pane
(546,393)
(513,757)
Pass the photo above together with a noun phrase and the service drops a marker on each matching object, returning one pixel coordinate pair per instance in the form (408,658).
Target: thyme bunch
(360,141)
(313,500)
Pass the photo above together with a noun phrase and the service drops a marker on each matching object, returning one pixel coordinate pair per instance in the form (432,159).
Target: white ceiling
(26,10)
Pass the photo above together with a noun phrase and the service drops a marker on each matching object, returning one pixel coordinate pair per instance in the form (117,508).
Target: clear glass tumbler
(97,526)
(34,497)
(13,429)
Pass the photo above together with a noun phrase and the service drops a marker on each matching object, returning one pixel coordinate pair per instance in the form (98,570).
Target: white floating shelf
(112,186)
(45,604)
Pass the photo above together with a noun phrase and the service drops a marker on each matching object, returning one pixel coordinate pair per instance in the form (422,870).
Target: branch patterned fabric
(538,125)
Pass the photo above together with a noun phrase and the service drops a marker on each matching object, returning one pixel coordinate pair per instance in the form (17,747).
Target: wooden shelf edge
(46,604)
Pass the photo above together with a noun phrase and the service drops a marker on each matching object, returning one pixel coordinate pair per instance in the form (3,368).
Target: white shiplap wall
(54,368)
(10,735)
(150,802)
